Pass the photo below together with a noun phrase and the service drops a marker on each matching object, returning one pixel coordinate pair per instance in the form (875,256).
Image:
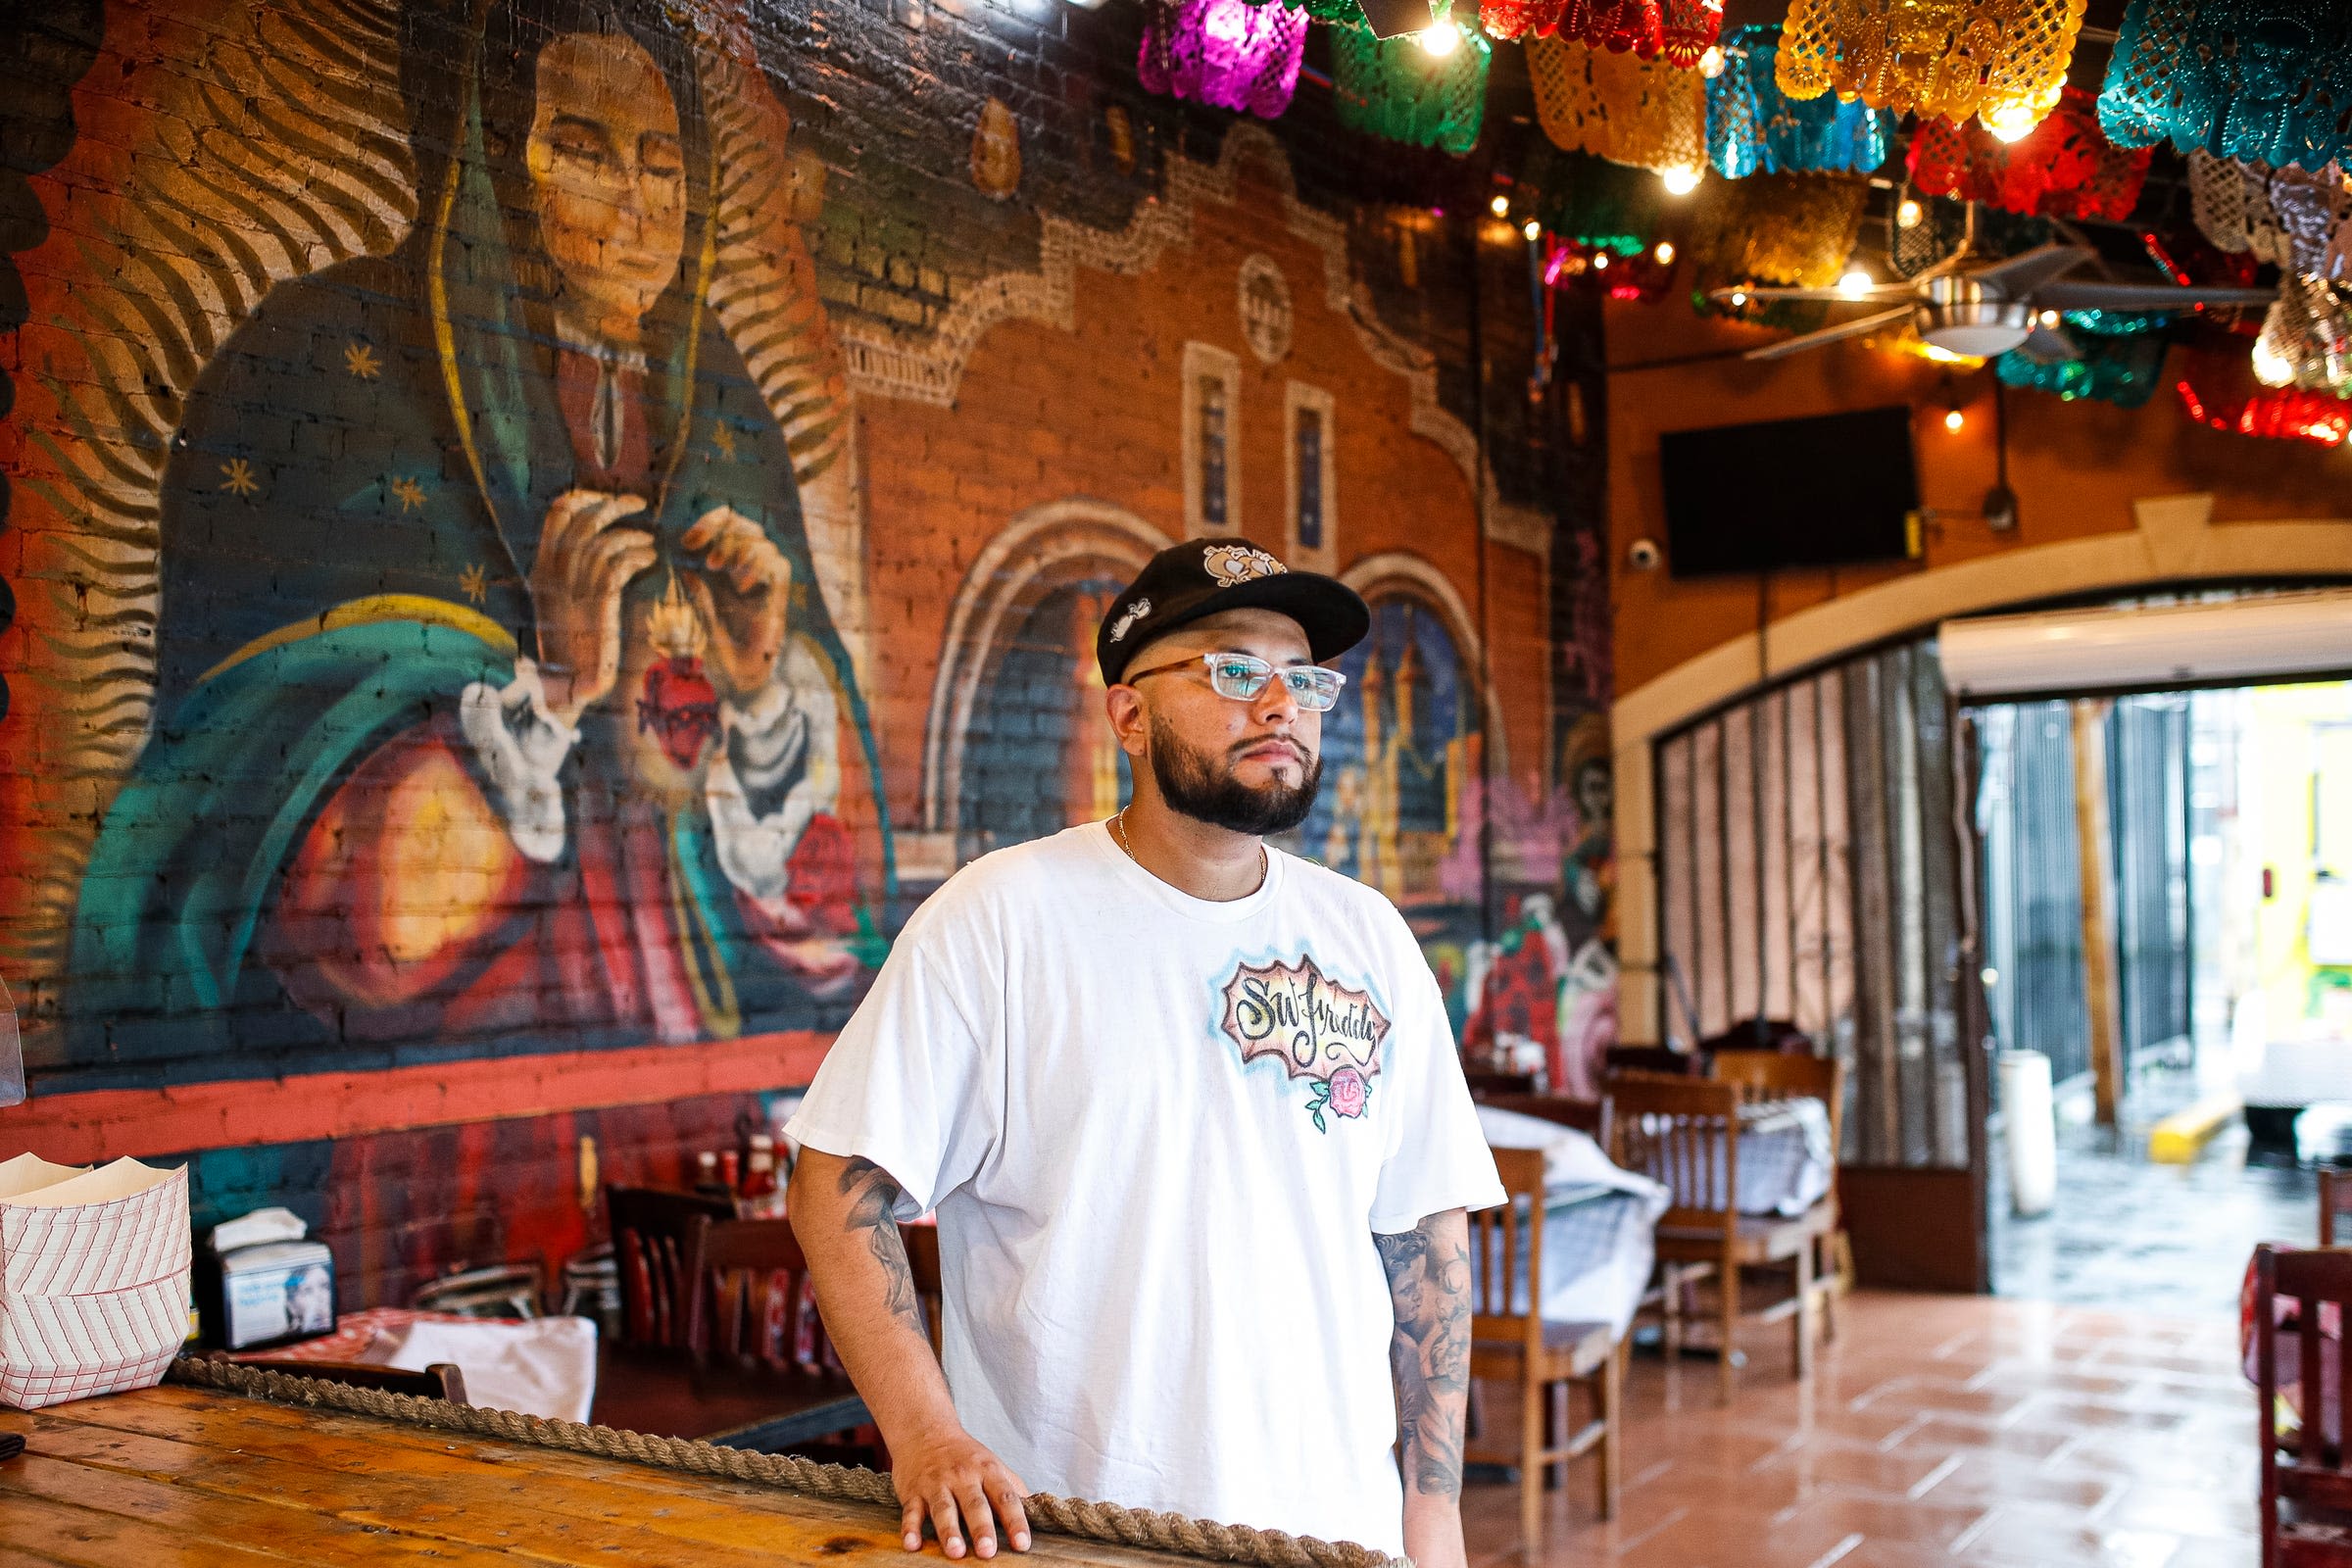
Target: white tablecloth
(544,1367)
(1784,1157)
(1598,1248)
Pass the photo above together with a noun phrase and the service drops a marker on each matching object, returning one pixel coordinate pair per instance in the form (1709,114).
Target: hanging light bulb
(1532,229)
(1954,420)
(1739,298)
(2271,367)
(2011,122)
(1664,251)
(1908,215)
(1600,262)
(1500,206)
(1678,181)
(1854,284)
(1439,41)
(1711,64)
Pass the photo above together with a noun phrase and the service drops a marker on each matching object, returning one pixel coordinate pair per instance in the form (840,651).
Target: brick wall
(299,381)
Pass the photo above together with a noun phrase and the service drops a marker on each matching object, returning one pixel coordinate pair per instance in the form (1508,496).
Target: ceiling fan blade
(2046,346)
(1829,334)
(2020,276)
(1877,292)
(2143,297)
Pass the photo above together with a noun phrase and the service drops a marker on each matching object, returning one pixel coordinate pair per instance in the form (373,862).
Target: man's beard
(1191,782)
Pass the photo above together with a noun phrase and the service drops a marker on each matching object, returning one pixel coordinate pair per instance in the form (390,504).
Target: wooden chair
(1511,1343)
(749,1307)
(650,1227)
(1587,1116)
(922,1261)
(1766,1075)
(1684,1132)
(2313,1469)
(440,1381)
(2335,1197)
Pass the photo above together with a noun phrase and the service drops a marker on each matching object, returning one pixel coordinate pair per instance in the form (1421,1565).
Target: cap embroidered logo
(1126,622)
(1238,563)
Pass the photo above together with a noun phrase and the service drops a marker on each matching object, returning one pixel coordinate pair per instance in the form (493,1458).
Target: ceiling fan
(1979,306)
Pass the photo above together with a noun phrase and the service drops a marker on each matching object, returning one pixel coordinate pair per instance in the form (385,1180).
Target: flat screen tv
(1836,490)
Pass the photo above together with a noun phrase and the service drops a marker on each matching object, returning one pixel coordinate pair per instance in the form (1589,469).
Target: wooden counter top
(174,1475)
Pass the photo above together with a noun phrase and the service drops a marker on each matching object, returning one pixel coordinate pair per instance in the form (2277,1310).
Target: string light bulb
(1711,64)
(2010,122)
(2049,319)
(1909,214)
(1532,229)
(1855,284)
(1439,42)
(1500,206)
(1664,251)
(1600,262)
(1739,298)
(1678,181)
(1954,420)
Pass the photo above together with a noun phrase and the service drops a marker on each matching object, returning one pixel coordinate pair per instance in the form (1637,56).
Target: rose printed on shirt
(1320,1030)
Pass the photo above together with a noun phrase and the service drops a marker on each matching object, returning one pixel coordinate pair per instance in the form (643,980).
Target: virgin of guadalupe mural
(495,691)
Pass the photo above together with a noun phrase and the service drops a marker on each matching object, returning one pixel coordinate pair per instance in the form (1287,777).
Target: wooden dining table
(189,1476)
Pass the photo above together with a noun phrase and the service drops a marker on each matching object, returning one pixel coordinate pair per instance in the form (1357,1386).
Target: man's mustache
(1306,758)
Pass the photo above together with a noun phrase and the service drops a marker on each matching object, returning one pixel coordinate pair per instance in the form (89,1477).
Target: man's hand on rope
(963,1488)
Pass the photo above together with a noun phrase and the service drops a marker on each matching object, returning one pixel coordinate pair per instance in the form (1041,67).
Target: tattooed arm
(840,1211)
(1429,1285)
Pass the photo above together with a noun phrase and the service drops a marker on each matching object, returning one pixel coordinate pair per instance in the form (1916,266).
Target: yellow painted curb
(2180,1138)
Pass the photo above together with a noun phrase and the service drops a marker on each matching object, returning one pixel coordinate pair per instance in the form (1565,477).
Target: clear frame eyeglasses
(1242,676)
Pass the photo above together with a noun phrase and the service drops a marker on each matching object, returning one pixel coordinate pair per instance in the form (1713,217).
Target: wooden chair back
(750,1299)
(2335,1197)
(1506,1255)
(1587,1116)
(1764,1076)
(1681,1132)
(2313,1468)
(650,1231)
(922,1261)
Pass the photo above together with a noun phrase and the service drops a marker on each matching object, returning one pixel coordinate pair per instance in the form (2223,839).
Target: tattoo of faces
(872,1195)
(1429,1287)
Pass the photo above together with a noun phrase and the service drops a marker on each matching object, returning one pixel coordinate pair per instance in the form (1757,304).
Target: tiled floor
(1936,1430)
(2132,1234)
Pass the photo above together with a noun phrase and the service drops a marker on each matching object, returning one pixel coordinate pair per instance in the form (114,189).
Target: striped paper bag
(94,1284)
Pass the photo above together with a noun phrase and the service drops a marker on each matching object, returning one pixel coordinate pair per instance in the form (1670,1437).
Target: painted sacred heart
(1317,1028)
(681,706)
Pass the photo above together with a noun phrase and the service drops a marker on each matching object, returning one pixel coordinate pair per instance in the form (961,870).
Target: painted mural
(497,684)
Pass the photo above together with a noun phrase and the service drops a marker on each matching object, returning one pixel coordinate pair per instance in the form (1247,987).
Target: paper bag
(94,1284)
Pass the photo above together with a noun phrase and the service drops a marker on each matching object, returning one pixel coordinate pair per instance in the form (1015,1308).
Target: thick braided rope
(1070,1516)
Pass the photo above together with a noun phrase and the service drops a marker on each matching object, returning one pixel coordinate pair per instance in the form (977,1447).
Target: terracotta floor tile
(1992,1478)
(2184,1511)
(1937,1432)
(2026,1533)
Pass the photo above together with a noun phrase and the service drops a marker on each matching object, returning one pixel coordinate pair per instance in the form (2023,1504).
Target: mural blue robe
(350,520)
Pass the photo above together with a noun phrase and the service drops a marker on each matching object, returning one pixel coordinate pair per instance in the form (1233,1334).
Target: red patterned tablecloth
(355,1331)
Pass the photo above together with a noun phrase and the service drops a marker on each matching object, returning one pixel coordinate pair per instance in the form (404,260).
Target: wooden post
(2097,851)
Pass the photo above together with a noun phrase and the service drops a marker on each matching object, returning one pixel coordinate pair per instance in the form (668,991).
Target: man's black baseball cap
(1203,577)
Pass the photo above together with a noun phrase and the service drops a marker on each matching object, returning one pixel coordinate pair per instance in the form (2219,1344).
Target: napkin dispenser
(261,1281)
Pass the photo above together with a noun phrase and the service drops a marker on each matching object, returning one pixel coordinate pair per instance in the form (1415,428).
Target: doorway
(2215,829)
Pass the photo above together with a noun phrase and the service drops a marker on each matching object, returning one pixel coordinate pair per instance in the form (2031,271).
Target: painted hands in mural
(743,592)
(589,552)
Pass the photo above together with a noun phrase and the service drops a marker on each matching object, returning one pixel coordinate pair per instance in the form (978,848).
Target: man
(1193,1119)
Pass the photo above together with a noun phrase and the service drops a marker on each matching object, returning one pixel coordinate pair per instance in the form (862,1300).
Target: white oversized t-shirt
(1160,1134)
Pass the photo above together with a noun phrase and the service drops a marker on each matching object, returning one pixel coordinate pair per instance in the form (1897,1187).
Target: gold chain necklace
(1118,830)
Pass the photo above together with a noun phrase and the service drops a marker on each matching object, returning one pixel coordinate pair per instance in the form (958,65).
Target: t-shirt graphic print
(1160,1135)
(1319,1029)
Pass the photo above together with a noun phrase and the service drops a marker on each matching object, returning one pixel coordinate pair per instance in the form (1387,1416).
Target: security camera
(1642,554)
